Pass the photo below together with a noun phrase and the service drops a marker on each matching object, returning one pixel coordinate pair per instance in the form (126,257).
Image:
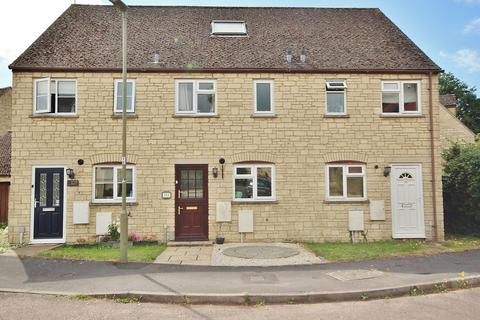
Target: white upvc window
(55,96)
(336,97)
(254,182)
(401,97)
(263,97)
(118,96)
(346,182)
(229,28)
(196,97)
(107,183)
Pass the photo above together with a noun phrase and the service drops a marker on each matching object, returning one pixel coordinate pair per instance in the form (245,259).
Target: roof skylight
(229,28)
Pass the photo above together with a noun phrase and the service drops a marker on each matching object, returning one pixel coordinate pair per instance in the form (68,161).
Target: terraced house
(274,124)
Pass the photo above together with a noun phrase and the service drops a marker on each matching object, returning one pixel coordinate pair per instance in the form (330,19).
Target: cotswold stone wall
(5,110)
(299,140)
(453,130)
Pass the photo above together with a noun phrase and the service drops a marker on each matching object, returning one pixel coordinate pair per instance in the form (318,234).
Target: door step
(189,243)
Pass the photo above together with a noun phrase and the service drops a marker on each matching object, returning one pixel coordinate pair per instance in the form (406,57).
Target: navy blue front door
(48,203)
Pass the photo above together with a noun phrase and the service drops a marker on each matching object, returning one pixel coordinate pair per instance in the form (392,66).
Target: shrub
(113,234)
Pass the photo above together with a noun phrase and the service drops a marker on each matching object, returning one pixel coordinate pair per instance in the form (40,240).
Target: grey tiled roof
(88,37)
(448,100)
(5,154)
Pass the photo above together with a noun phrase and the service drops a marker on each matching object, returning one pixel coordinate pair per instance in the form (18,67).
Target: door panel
(48,203)
(4,189)
(407,202)
(191,202)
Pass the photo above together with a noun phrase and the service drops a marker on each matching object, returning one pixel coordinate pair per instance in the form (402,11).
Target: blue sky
(448,31)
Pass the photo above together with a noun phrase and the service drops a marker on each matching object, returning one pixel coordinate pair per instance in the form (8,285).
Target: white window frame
(345,174)
(401,109)
(253,175)
(272,97)
(115,99)
(49,101)
(327,86)
(116,180)
(196,92)
(242,33)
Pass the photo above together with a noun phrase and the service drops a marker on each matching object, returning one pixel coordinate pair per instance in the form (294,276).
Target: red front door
(191,202)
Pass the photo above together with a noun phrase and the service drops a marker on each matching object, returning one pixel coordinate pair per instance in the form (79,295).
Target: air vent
(229,28)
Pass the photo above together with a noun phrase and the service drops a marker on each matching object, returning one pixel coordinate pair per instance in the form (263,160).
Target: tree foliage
(461,188)
(468,105)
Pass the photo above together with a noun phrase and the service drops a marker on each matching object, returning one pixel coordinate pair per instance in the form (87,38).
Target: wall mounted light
(386,171)
(215,172)
(70,173)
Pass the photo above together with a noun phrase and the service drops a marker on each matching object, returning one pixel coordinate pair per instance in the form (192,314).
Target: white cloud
(469,1)
(22,21)
(473,26)
(468,59)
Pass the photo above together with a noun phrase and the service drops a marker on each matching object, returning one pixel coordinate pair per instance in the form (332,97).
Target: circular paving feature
(260,252)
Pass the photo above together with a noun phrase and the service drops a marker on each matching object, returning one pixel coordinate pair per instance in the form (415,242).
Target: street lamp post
(124,216)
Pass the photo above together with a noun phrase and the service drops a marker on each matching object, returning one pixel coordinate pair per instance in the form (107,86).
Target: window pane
(42,95)
(120,89)
(56,190)
(42,87)
(355,169)
(103,175)
(206,103)
(129,190)
(410,96)
(355,187)
(66,88)
(335,102)
(104,191)
(390,102)
(66,105)
(205,86)
(42,103)
(119,106)
(263,97)
(185,96)
(335,181)
(390,86)
(243,188)
(244,170)
(43,190)
(264,182)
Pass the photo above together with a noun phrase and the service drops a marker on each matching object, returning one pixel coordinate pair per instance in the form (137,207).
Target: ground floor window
(254,182)
(108,183)
(345,182)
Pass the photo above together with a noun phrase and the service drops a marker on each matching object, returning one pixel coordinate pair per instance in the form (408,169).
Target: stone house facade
(301,149)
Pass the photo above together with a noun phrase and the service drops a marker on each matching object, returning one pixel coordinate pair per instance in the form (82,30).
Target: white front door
(407,202)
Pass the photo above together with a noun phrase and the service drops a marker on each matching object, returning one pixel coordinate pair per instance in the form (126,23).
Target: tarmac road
(463,304)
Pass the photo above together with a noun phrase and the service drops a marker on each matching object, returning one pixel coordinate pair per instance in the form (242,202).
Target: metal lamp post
(124,216)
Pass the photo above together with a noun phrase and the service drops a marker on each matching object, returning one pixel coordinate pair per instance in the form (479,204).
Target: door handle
(36,202)
(179,208)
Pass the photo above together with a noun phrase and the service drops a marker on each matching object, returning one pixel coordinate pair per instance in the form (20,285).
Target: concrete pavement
(446,306)
(237,285)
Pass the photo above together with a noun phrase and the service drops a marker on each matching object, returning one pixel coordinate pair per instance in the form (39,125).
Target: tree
(468,105)
(461,188)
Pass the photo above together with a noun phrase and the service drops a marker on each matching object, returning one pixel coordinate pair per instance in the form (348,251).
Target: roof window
(229,28)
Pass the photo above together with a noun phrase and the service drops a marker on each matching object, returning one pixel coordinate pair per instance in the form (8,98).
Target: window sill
(195,116)
(383,115)
(263,115)
(255,202)
(129,115)
(345,201)
(111,204)
(69,116)
(336,116)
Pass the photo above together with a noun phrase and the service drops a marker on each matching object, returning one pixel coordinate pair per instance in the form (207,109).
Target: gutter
(432,157)
(226,70)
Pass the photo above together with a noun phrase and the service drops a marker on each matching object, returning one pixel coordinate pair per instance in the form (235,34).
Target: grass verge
(340,251)
(102,253)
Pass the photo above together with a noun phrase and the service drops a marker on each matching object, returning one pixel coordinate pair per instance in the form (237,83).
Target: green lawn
(336,251)
(135,253)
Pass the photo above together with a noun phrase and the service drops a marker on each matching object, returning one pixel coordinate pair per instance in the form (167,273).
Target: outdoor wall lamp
(70,173)
(215,172)
(386,171)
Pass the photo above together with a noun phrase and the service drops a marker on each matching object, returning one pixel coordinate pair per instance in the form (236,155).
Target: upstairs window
(196,97)
(254,182)
(346,182)
(55,96)
(229,28)
(263,96)
(336,97)
(401,97)
(118,103)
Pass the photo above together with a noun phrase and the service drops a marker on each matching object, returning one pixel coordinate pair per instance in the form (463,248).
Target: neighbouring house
(452,130)
(5,144)
(275,124)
